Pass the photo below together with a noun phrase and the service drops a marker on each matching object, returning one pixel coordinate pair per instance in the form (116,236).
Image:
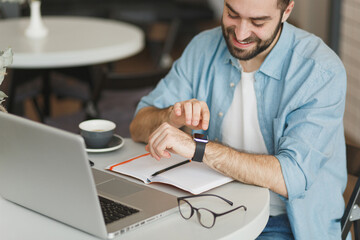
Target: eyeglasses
(205,216)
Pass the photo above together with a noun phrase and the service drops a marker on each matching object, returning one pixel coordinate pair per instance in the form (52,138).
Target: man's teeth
(242,42)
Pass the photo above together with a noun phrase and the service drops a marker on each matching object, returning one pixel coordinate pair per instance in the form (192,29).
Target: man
(271,99)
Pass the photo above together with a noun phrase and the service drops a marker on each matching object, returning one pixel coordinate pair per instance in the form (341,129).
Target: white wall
(312,16)
(217,6)
(350,54)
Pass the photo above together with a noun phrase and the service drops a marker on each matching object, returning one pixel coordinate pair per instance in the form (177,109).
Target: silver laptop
(47,170)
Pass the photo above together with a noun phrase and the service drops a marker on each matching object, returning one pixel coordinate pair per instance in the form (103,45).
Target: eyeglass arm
(207,195)
(220,214)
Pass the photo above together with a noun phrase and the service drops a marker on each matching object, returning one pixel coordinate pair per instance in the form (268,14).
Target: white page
(193,177)
(143,167)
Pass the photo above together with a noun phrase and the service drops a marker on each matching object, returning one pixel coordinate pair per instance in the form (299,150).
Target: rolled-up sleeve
(309,131)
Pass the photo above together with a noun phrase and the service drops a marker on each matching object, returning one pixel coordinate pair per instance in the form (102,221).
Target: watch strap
(199,151)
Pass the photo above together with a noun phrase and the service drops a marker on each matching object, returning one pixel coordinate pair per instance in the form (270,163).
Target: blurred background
(168,26)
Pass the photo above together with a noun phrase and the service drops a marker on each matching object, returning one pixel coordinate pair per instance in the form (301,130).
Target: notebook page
(193,177)
(144,166)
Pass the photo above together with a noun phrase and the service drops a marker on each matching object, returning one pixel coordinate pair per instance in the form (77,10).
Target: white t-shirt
(241,130)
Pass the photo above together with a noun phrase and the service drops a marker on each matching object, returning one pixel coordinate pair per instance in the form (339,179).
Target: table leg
(91,107)
(46,91)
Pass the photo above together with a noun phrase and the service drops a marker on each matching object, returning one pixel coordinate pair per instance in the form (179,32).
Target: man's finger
(196,114)
(158,143)
(177,109)
(162,147)
(205,114)
(205,120)
(188,112)
(152,141)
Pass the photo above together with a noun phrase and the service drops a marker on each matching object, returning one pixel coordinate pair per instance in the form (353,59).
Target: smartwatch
(201,140)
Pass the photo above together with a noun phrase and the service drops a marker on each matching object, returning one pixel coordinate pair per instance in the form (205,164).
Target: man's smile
(242,44)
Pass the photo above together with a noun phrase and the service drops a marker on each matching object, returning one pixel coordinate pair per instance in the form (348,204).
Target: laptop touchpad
(118,188)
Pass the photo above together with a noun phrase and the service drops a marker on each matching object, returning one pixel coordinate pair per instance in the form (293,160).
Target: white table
(71,42)
(17,223)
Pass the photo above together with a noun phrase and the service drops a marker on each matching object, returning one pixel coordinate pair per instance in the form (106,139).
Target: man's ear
(288,11)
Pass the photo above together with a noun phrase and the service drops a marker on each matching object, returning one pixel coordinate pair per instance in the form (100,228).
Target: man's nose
(243,30)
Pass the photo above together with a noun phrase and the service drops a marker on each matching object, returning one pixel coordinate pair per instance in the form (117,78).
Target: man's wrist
(170,117)
(168,113)
(200,140)
(213,150)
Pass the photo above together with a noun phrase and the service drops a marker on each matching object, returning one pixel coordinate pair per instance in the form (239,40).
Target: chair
(125,81)
(25,84)
(352,211)
(148,15)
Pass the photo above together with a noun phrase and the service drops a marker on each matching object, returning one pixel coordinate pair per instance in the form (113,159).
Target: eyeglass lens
(185,209)
(205,217)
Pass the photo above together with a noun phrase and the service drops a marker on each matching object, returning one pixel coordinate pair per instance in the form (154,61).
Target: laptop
(47,170)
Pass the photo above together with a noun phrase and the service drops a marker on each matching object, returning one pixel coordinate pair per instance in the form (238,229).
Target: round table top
(232,226)
(236,225)
(71,41)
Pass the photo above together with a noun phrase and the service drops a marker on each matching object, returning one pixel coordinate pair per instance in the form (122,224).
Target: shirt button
(232,84)
(220,114)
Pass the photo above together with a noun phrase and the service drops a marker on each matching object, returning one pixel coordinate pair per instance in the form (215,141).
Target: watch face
(200,138)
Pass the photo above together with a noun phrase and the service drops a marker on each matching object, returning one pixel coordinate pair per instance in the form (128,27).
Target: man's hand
(192,113)
(168,139)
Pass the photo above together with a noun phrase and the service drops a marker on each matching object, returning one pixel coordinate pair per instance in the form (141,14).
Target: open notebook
(193,177)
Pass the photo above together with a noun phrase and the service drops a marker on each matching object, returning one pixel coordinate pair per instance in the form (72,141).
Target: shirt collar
(229,59)
(273,64)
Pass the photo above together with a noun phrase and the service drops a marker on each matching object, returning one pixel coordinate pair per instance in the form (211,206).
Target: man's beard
(244,55)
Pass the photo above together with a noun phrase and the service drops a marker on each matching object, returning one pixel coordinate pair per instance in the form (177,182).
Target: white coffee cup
(97,133)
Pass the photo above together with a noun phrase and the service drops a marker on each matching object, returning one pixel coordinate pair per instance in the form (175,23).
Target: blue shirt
(300,91)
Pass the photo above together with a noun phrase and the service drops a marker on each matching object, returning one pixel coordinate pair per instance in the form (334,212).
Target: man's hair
(282,4)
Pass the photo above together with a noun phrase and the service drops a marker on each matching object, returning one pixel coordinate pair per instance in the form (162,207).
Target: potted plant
(5,61)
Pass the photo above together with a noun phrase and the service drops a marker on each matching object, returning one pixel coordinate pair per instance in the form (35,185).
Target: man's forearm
(146,121)
(255,169)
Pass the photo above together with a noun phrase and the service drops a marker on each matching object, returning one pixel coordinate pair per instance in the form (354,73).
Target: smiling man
(270,98)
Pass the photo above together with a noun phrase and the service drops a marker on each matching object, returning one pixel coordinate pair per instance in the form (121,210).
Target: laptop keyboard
(114,211)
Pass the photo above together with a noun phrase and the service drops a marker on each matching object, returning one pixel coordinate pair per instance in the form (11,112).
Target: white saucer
(115,143)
